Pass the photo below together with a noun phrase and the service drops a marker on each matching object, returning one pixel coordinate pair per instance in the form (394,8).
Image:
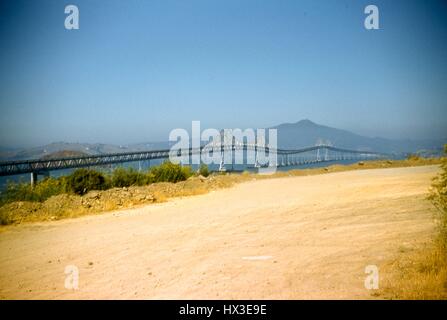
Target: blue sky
(137,69)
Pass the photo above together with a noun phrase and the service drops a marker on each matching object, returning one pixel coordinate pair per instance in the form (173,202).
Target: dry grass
(71,206)
(422,274)
(418,275)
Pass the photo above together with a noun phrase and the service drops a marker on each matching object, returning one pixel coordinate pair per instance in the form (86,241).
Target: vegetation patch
(84,180)
(169,172)
(122,177)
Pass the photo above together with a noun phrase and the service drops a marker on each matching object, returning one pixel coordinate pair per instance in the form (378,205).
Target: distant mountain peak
(306,133)
(306,122)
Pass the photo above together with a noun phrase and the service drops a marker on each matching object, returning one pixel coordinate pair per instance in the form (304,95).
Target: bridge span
(285,157)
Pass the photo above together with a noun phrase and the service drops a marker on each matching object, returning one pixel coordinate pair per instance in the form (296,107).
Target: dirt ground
(285,238)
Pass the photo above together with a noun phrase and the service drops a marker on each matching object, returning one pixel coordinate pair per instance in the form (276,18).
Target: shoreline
(66,205)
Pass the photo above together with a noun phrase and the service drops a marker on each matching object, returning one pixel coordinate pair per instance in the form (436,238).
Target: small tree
(84,180)
(170,172)
(203,170)
(128,177)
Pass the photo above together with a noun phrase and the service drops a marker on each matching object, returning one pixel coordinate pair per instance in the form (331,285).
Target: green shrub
(413,157)
(169,172)
(439,197)
(21,191)
(203,170)
(84,180)
(122,177)
(439,190)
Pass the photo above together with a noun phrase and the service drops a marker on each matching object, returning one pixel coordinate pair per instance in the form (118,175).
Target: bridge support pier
(35,174)
(33,178)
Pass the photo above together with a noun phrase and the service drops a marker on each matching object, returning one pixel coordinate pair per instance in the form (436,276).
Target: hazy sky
(137,69)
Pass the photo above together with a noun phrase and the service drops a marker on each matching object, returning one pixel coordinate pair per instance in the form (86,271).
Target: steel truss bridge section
(321,153)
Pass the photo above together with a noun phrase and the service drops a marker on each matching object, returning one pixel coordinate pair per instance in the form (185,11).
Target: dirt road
(288,238)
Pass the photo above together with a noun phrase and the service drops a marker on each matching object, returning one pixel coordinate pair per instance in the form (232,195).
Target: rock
(93,195)
(86,204)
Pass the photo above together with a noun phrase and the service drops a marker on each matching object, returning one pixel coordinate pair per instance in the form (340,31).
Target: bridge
(285,157)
